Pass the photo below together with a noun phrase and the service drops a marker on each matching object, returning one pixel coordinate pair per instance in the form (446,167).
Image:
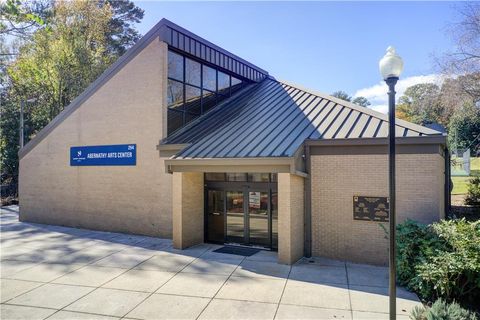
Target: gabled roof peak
(189,43)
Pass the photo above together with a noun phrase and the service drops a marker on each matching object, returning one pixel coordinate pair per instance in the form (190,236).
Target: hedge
(441,260)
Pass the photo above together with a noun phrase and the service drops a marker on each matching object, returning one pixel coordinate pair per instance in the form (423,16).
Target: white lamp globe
(391,65)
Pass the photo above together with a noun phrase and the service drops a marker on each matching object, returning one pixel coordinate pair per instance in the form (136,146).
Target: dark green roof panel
(273,119)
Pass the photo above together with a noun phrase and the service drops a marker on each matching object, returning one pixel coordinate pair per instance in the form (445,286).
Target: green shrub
(442,310)
(441,260)
(473,192)
(415,241)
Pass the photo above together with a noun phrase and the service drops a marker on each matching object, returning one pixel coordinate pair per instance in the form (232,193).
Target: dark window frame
(272,177)
(224,94)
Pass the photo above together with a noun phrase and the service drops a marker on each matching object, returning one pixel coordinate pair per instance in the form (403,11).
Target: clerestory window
(194,88)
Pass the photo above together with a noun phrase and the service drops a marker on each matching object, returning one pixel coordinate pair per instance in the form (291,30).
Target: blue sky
(326,46)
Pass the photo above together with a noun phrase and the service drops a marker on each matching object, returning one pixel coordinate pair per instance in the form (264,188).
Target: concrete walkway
(65,273)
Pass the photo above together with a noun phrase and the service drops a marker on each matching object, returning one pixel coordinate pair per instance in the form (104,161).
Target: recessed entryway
(242,209)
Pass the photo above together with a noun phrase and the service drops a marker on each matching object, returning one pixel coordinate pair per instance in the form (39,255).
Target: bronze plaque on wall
(370,208)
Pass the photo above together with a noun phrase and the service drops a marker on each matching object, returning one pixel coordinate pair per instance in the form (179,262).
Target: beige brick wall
(337,178)
(291,193)
(188,209)
(135,199)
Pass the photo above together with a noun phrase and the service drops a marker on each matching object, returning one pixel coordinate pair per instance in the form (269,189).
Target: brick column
(188,207)
(291,195)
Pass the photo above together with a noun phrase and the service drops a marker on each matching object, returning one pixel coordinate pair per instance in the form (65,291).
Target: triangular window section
(195,87)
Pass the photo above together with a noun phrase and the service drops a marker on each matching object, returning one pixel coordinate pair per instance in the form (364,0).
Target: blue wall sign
(110,155)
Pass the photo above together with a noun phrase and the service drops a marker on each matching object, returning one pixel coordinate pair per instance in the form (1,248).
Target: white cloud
(383,108)
(377,94)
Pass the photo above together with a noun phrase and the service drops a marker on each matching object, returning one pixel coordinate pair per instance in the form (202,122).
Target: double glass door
(246,216)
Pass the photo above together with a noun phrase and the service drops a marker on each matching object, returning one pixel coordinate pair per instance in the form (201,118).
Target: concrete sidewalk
(65,273)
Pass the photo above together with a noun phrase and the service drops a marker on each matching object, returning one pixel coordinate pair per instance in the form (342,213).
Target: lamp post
(391,66)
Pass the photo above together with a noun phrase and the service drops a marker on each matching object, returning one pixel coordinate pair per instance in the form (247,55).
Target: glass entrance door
(248,217)
(235,217)
(258,218)
(240,211)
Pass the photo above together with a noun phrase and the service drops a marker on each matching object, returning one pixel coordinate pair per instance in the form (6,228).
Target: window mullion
(210,94)
(184,91)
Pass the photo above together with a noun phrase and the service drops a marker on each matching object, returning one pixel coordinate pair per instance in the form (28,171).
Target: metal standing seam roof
(273,119)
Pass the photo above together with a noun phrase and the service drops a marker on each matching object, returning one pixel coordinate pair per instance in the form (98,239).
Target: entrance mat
(239,251)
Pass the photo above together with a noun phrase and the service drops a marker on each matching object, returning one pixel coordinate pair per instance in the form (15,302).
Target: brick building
(182,139)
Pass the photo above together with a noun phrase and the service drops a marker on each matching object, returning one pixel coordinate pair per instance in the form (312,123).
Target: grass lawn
(460,183)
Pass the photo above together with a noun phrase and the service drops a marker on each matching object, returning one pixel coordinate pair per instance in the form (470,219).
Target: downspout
(308,204)
(447,183)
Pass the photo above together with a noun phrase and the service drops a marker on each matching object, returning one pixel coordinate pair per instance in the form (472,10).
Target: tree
(342,95)
(54,66)
(56,61)
(448,105)
(453,96)
(121,34)
(21,19)
(464,60)
(464,127)
(18,21)
(361,101)
(59,62)
(420,104)
(9,138)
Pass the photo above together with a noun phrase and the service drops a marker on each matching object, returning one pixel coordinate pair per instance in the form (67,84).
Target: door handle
(216,213)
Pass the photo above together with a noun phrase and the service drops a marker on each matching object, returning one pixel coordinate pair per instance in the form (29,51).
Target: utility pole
(23,104)
(22,139)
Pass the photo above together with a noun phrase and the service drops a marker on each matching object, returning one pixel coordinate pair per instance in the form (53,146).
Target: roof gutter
(263,164)
(434,139)
(170,150)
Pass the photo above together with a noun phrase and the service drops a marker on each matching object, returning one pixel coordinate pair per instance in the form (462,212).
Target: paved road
(66,273)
